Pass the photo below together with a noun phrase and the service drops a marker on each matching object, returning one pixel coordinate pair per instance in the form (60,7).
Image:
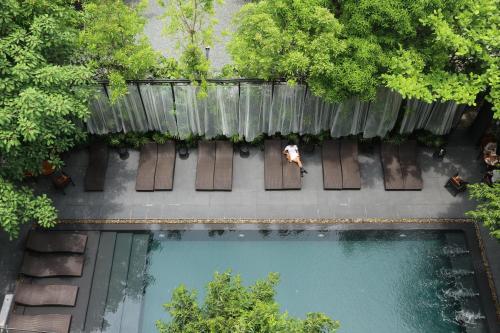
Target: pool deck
(249,201)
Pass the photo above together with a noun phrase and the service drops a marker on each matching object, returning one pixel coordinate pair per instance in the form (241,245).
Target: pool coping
(469,227)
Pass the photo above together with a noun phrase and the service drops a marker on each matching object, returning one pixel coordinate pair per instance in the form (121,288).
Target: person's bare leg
(299,162)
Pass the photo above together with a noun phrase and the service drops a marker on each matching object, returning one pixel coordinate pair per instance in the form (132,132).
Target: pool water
(371,281)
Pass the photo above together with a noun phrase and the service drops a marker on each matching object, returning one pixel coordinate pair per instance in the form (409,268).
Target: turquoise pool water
(371,281)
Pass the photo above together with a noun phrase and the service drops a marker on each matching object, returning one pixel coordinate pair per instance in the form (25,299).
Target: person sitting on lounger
(292,155)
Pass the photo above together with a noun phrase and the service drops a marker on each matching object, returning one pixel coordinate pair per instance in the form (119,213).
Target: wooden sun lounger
(273,169)
(393,176)
(165,166)
(351,178)
(98,163)
(412,175)
(332,168)
(56,242)
(53,323)
(39,294)
(206,166)
(291,172)
(223,171)
(145,180)
(46,265)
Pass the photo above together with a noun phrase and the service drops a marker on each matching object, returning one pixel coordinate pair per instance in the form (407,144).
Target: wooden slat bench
(53,323)
(223,171)
(332,168)
(56,242)
(165,166)
(145,180)
(95,176)
(351,178)
(393,176)
(279,174)
(206,166)
(412,174)
(46,265)
(39,294)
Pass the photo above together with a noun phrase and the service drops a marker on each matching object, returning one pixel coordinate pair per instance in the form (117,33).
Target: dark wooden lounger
(56,242)
(332,168)
(98,163)
(223,171)
(39,294)
(291,172)
(351,178)
(45,265)
(165,166)
(412,175)
(53,323)
(393,176)
(206,166)
(279,174)
(273,169)
(145,180)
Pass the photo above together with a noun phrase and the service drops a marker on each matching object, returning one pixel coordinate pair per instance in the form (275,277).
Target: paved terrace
(248,199)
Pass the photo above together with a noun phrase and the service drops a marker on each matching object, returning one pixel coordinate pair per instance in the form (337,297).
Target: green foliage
(456,59)
(429,139)
(19,205)
(488,208)
(231,307)
(161,138)
(43,100)
(114,45)
(431,50)
(192,22)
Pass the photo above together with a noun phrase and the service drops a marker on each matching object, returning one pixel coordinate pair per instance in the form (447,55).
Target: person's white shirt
(293,151)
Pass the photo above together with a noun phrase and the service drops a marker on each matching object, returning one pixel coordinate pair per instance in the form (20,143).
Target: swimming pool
(388,281)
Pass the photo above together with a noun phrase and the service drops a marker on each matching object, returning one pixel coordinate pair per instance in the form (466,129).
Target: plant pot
(183,152)
(123,152)
(244,150)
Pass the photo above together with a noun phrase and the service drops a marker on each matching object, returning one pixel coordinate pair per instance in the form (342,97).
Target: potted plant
(117,140)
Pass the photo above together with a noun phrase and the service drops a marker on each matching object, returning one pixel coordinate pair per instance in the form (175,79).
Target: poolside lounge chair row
(48,255)
(214,171)
(156,167)
(400,167)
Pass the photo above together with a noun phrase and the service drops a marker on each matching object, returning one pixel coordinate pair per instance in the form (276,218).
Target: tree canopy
(192,23)
(430,50)
(43,99)
(230,307)
(488,209)
(114,45)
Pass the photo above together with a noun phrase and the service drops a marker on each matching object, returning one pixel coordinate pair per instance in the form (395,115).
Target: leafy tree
(431,50)
(115,46)
(299,40)
(488,209)
(192,21)
(230,307)
(459,57)
(42,101)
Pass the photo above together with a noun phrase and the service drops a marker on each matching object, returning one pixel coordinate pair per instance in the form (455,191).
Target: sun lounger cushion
(45,265)
(393,176)
(145,180)
(223,171)
(96,170)
(206,166)
(351,178)
(53,323)
(39,294)
(273,169)
(165,165)
(412,175)
(56,242)
(332,168)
